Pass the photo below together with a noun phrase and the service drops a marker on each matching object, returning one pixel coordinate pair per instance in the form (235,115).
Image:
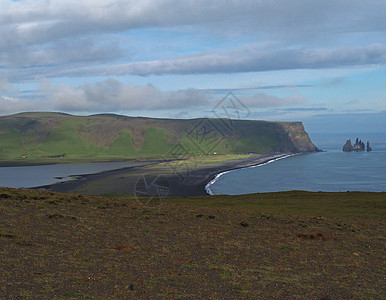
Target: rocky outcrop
(368,147)
(348,146)
(358,146)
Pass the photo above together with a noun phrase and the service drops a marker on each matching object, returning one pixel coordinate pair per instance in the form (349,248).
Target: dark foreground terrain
(290,245)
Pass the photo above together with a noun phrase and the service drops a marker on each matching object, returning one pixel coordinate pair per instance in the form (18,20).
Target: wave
(207,187)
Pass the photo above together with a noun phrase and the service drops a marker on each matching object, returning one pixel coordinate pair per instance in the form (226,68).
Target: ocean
(330,171)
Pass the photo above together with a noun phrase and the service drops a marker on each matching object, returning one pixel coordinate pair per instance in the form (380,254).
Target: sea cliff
(63,137)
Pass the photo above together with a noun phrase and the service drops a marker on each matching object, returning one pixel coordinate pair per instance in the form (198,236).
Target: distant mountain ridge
(31,136)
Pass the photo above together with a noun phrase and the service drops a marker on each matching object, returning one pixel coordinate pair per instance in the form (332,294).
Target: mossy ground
(291,245)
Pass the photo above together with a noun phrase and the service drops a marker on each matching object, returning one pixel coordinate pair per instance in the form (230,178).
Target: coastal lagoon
(329,171)
(32,176)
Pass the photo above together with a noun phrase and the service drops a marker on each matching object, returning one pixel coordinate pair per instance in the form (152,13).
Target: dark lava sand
(182,181)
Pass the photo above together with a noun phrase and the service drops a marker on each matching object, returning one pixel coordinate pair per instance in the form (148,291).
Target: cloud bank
(40,33)
(73,42)
(112,95)
(249,59)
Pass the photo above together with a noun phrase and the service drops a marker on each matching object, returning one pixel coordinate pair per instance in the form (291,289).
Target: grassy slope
(351,204)
(49,136)
(294,245)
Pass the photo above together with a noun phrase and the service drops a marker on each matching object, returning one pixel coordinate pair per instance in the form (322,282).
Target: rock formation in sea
(368,147)
(358,146)
(348,147)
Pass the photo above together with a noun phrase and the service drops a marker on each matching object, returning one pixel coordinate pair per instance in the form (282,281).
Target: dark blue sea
(329,171)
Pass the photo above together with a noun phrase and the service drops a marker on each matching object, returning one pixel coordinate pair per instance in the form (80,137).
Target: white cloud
(247,59)
(53,17)
(9,105)
(33,29)
(112,95)
(73,40)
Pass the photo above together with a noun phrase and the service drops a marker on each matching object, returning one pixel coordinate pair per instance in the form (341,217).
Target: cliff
(299,137)
(53,136)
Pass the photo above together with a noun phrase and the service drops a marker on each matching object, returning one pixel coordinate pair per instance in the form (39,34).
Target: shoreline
(180,183)
(217,176)
(13,163)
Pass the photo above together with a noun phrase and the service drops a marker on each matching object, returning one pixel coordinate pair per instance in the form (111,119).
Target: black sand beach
(163,179)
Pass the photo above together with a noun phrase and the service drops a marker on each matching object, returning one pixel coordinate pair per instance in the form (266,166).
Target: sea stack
(348,147)
(358,146)
(368,147)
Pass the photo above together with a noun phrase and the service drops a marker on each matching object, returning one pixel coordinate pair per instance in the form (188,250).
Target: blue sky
(284,59)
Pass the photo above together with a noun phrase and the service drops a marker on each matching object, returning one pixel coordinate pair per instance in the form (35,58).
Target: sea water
(331,171)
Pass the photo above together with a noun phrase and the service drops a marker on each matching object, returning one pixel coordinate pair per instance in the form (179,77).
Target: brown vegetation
(69,246)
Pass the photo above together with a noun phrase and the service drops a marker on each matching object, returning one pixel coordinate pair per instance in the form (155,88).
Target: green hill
(53,136)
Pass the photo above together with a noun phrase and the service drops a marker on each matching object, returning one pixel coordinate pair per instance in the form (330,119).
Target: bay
(329,171)
(32,176)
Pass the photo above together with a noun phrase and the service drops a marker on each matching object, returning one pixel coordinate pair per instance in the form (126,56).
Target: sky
(290,60)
